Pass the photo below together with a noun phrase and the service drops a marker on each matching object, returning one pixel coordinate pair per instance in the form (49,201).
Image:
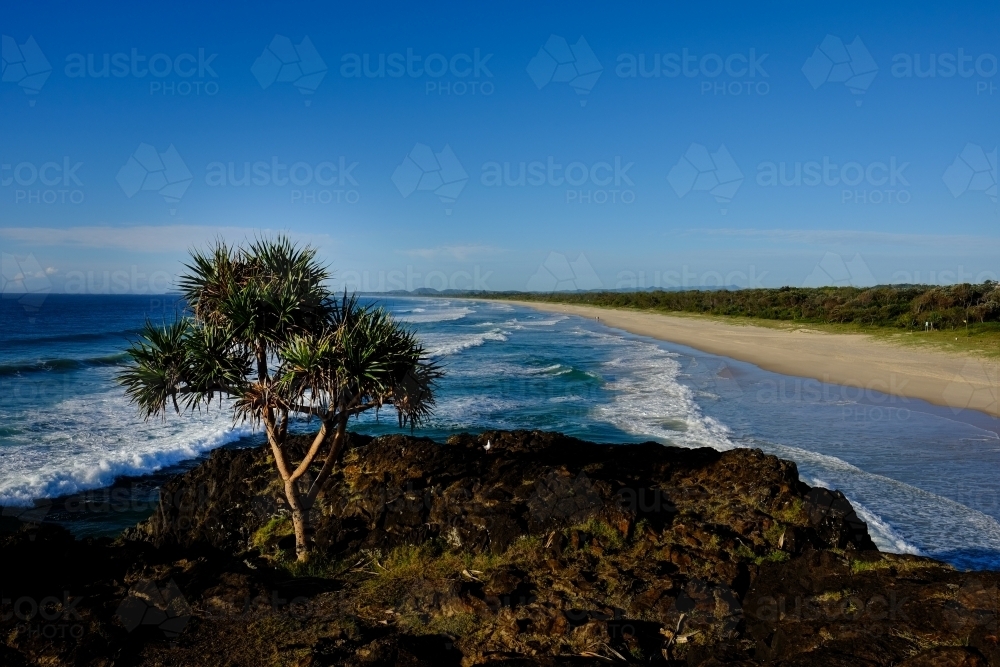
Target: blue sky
(698,142)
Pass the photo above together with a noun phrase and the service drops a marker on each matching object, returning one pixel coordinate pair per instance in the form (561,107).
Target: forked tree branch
(335,448)
(279,455)
(311,454)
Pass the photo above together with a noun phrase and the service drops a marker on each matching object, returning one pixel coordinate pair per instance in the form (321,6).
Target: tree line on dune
(899,306)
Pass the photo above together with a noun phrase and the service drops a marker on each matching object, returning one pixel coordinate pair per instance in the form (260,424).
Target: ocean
(922,476)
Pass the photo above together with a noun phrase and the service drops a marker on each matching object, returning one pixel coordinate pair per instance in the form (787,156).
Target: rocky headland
(537,550)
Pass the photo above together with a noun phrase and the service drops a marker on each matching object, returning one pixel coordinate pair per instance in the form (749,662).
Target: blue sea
(922,476)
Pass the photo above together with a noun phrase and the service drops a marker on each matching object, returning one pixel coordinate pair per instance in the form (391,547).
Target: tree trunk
(301,503)
(300,521)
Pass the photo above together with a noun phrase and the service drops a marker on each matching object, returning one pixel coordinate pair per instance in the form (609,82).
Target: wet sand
(956,381)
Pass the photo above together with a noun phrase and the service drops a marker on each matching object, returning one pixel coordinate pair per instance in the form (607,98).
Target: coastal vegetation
(907,306)
(265,331)
(944,313)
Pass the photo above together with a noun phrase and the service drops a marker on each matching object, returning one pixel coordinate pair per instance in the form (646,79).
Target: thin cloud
(458,252)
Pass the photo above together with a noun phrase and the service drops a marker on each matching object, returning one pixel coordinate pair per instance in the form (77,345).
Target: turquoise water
(922,476)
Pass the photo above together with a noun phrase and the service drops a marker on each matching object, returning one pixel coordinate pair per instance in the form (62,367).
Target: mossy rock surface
(541,550)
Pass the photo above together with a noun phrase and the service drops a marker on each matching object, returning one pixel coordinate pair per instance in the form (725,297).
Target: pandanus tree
(263,329)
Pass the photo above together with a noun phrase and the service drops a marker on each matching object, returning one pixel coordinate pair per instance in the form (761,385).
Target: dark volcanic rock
(401,490)
(542,550)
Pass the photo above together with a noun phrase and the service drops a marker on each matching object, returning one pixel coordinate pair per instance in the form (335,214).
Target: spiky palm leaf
(159,365)
(364,360)
(182,364)
(266,293)
(268,304)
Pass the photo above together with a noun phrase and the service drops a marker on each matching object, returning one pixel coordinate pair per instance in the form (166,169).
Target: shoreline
(955,381)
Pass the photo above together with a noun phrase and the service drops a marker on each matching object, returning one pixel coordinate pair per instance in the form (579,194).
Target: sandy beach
(956,381)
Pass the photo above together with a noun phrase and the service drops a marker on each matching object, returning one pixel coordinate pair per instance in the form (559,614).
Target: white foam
(883,535)
(900,516)
(649,401)
(443,345)
(423,316)
(479,411)
(554,369)
(85,443)
(536,323)
(566,399)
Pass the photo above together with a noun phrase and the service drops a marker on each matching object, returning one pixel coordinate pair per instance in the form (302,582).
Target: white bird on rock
(488,445)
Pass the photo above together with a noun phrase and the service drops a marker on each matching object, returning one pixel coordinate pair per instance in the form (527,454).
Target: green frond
(159,359)
(332,355)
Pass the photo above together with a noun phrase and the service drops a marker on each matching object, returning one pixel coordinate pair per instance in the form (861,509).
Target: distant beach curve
(956,381)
